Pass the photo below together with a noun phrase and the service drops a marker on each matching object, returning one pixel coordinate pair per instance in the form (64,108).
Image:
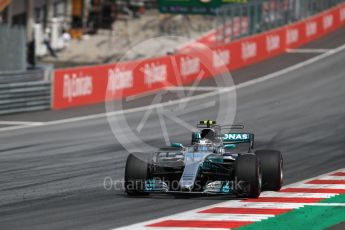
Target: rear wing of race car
(214,125)
(233,138)
(238,138)
(227,138)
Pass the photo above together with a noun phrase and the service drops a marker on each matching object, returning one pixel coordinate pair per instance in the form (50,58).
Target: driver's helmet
(209,134)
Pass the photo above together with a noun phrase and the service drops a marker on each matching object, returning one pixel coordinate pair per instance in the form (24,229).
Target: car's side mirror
(177,145)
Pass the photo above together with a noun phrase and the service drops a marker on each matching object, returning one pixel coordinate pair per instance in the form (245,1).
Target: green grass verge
(308,217)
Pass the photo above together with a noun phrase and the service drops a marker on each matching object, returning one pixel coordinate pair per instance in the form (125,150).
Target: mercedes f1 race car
(214,163)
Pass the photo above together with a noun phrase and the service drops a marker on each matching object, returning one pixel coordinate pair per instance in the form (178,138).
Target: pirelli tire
(136,173)
(271,168)
(248,175)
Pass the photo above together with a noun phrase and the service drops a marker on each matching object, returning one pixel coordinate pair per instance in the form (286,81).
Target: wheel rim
(259,179)
(281,172)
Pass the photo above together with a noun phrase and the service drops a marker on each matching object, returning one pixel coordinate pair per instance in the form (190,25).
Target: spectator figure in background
(46,42)
(66,37)
(134,6)
(93,17)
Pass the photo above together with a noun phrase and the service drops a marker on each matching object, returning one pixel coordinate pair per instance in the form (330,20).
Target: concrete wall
(12,49)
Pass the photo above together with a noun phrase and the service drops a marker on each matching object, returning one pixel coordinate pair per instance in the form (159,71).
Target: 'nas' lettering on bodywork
(236,136)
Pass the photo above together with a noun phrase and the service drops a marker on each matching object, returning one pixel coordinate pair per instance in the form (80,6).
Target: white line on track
(189,228)
(326,204)
(198,88)
(320,186)
(137,96)
(177,228)
(187,99)
(332,178)
(296,51)
(220,217)
(298,194)
(261,205)
(20,123)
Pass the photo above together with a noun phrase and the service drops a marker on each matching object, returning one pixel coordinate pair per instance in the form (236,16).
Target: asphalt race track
(51,176)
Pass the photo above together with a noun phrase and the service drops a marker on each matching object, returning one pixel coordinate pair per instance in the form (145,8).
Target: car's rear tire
(271,168)
(247,171)
(137,172)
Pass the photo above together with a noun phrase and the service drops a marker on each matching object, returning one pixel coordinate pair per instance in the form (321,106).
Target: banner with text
(93,84)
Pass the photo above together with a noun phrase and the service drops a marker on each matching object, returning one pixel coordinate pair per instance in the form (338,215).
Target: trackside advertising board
(93,84)
(193,6)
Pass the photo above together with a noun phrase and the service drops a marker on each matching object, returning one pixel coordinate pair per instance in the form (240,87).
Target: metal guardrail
(24,91)
(22,76)
(12,48)
(263,15)
(24,97)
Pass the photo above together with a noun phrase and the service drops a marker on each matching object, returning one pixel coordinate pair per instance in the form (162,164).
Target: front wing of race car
(211,188)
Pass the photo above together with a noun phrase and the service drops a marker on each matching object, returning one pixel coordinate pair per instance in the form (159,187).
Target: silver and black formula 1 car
(213,164)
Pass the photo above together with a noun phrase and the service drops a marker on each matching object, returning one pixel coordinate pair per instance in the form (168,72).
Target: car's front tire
(247,172)
(136,173)
(271,168)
